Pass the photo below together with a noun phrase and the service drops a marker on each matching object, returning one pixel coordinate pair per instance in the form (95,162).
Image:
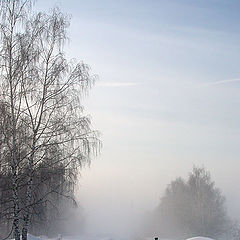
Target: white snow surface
(199,238)
(31,237)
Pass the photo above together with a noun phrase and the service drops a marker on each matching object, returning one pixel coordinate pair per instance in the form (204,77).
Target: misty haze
(119,120)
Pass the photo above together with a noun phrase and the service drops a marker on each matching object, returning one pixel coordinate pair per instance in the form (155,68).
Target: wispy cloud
(220,82)
(117,84)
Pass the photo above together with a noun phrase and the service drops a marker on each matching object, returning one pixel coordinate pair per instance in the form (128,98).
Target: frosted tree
(43,92)
(192,207)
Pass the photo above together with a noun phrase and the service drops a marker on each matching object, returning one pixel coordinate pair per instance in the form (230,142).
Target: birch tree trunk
(43,91)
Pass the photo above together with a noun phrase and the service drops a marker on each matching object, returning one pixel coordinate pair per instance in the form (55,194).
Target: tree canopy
(192,207)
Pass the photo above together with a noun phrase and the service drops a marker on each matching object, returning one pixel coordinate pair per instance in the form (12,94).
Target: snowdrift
(199,238)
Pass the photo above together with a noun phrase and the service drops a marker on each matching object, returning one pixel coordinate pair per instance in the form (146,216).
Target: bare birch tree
(43,92)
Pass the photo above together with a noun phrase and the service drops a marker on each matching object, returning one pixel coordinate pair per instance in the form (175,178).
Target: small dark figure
(156,238)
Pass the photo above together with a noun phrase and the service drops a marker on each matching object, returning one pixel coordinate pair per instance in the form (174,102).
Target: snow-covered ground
(200,238)
(31,237)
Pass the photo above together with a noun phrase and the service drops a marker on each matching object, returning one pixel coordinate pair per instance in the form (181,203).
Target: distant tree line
(44,136)
(192,207)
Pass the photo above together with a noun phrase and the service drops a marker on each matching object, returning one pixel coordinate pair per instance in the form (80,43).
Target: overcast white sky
(168,97)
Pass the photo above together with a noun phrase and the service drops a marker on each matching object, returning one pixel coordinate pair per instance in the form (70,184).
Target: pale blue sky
(168,97)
